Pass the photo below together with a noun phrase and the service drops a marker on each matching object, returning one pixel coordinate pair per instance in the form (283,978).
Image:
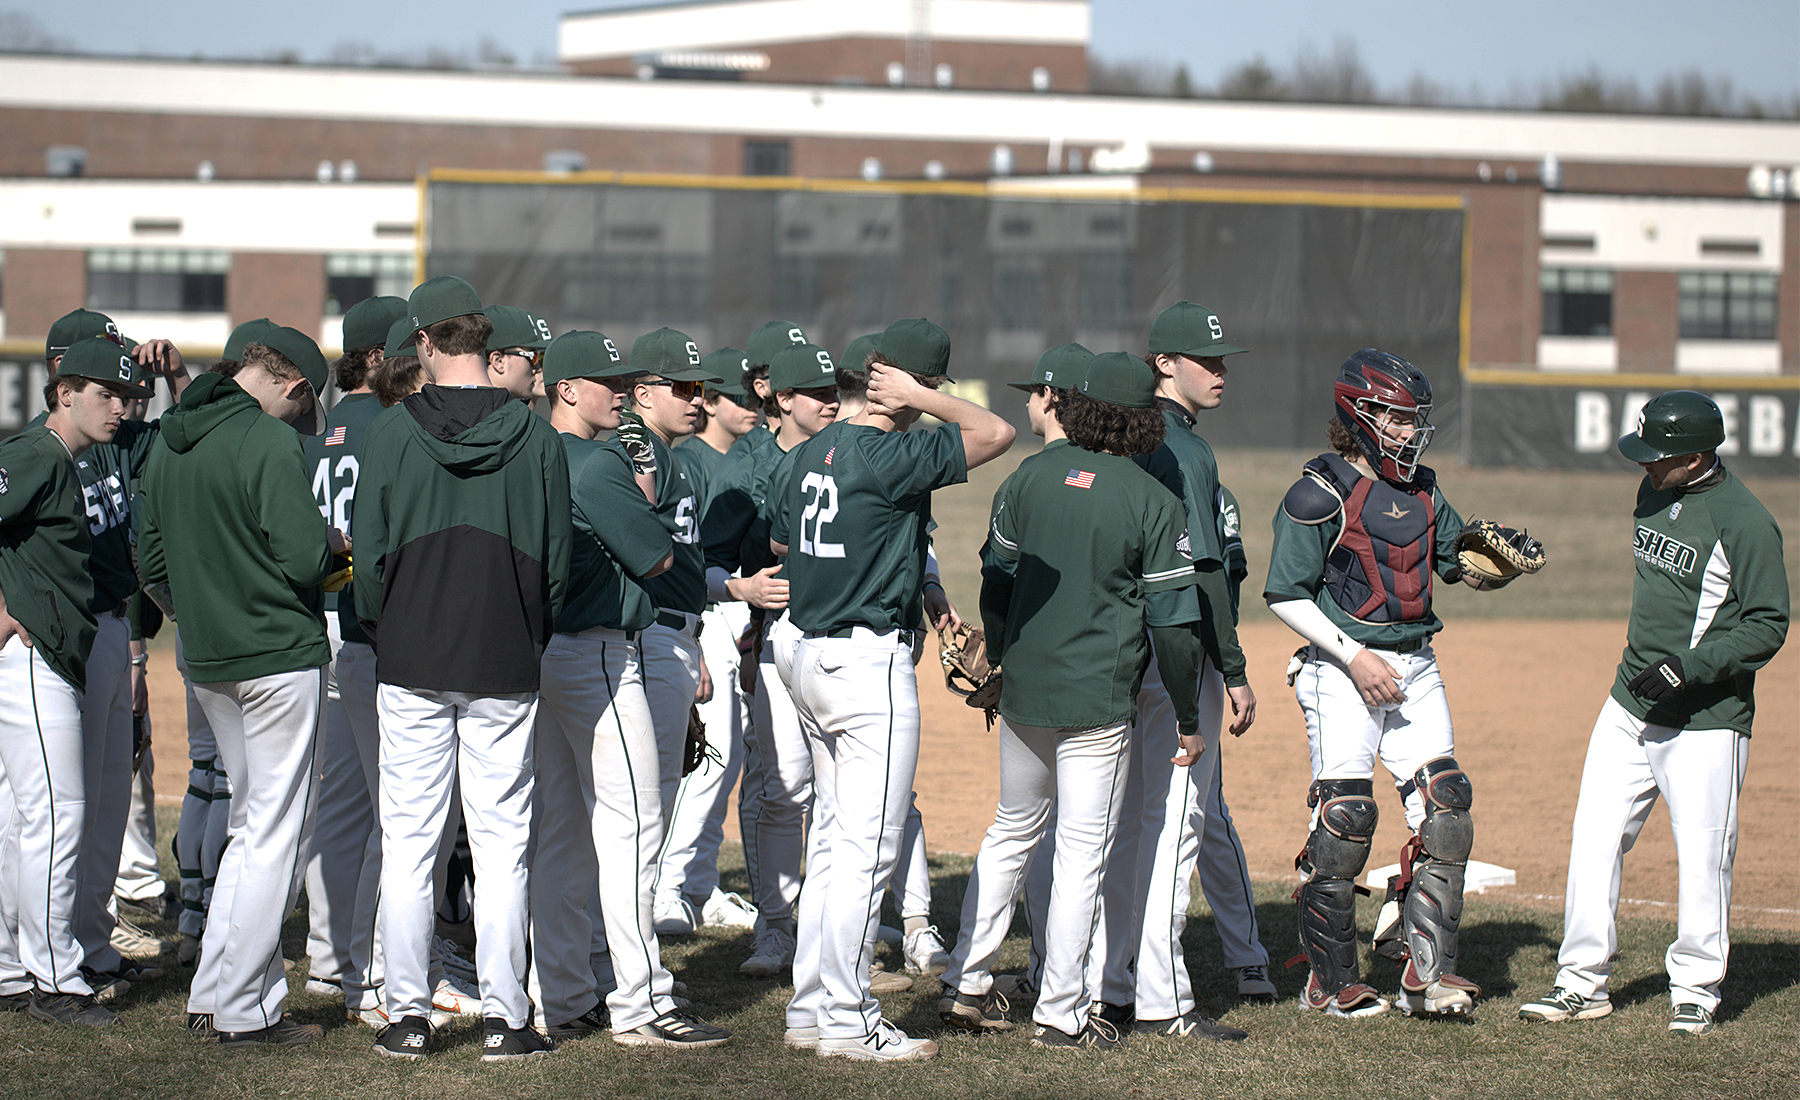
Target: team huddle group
(563,600)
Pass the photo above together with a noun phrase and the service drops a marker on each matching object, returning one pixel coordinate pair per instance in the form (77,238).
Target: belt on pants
(1412,646)
(841,632)
(676,620)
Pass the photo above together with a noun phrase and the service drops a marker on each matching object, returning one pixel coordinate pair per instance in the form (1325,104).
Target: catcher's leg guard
(1432,909)
(1335,854)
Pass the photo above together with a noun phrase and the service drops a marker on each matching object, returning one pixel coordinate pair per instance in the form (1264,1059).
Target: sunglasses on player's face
(534,356)
(685,391)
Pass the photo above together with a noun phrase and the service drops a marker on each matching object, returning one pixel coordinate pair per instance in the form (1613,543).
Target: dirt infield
(1524,695)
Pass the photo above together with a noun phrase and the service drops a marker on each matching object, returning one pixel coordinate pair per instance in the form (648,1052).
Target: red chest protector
(1380,569)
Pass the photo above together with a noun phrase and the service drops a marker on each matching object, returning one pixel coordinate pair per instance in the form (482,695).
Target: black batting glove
(1662,680)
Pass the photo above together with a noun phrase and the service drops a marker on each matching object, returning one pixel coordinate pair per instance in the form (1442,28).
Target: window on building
(1019,295)
(635,288)
(1727,305)
(1577,301)
(1103,292)
(162,280)
(352,277)
(766,158)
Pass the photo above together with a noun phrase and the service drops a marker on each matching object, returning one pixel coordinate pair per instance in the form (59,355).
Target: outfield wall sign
(1578,427)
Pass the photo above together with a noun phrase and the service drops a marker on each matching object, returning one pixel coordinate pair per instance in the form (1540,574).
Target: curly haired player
(1357,540)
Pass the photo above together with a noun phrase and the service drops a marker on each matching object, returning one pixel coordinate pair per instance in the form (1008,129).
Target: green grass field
(1584,520)
(1508,949)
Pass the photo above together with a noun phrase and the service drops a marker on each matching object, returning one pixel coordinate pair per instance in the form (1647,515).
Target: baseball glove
(342,573)
(694,753)
(963,651)
(1496,554)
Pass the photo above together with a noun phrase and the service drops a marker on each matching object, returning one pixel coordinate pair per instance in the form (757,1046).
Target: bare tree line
(1339,75)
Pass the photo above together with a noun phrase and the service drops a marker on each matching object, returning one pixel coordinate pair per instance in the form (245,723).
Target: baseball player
(1146,985)
(852,520)
(458,480)
(599,814)
(397,375)
(1084,565)
(515,352)
(665,396)
(47,627)
(343,877)
(735,535)
(229,523)
(107,471)
(1709,606)
(1357,540)
(687,882)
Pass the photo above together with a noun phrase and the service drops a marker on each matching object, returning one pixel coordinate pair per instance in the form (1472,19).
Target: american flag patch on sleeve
(828,455)
(1081,479)
(336,438)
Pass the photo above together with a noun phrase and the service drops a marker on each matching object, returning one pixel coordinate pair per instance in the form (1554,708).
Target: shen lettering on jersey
(1664,552)
(105,501)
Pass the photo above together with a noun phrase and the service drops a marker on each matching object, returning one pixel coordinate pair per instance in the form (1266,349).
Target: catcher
(1357,540)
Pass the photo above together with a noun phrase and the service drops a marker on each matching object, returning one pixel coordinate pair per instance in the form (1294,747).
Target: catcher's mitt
(1496,554)
(694,753)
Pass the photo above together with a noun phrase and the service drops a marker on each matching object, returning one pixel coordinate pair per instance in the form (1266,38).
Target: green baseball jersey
(703,466)
(333,458)
(1084,551)
(1186,466)
(1297,571)
(618,538)
(683,586)
(1710,590)
(855,516)
(1231,542)
(45,539)
(107,471)
(727,538)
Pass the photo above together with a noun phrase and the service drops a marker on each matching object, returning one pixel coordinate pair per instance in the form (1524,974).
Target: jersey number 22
(821,508)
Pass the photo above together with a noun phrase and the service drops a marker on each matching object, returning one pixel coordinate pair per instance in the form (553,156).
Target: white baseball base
(1479,877)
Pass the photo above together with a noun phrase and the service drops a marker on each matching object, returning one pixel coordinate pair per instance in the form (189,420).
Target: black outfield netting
(1299,284)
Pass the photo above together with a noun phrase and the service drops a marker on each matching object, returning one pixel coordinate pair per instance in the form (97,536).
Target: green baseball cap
(299,349)
(581,353)
(669,353)
(917,345)
(1062,367)
(802,367)
(516,328)
(250,332)
(104,360)
(397,347)
(78,325)
(366,323)
(1120,378)
(727,365)
(1680,422)
(440,299)
(769,338)
(857,353)
(1187,329)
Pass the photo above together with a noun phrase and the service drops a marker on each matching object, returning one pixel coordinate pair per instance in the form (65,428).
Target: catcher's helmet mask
(1371,383)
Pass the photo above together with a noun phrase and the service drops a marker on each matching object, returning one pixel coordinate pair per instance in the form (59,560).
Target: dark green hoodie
(229,522)
(44,546)
(462,533)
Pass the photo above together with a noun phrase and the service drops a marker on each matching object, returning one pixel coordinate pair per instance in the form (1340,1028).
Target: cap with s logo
(802,367)
(77,325)
(101,359)
(769,338)
(515,328)
(670,353)
(1188,329)
(581,353)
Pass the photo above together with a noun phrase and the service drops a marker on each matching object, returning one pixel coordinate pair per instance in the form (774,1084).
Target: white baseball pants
(671,661)
(1081,773)
(1347,736)
(858,703)
(140,870)
(786,760)
(268,735)
(1630,763)
(695,826)
(599,818)
(434,743)
(106,764)
(41,771)
(337,875)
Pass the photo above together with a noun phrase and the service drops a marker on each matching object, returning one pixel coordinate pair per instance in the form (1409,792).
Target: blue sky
(1499,48)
